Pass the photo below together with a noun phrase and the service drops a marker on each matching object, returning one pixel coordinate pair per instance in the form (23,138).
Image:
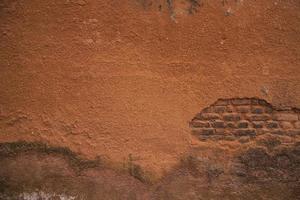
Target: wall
(113,79)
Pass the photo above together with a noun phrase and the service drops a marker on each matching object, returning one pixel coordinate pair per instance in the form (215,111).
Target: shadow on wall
(247,150)
(186,6)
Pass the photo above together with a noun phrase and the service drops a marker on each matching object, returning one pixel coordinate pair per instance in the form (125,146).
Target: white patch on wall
(40,195)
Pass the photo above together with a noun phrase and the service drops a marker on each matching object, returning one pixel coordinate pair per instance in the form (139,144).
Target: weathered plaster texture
(123,79)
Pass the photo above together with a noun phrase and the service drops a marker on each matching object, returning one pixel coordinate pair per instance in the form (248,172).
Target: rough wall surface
(106,77)
(121,80)
(259,159)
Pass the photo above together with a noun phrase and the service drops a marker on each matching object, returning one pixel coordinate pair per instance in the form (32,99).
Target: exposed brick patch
(240,118)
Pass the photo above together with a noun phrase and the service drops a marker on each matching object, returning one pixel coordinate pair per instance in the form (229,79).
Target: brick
(222,102)
(229,138)
(220,131)
(295,132)
(225,137)
(244,139)
(230,125)
(257,125)
(230,109)
(232,117)
(219,109)
(257,110)
(279,132)
(241,101)
(243,109)
(207,116)
(207,110)
(196,132)
(285,116)
(203,131)
(245,132)
(218,124)
(203,137)
(200,124)
(286,125)
(297,124)
(260,117)
(262,131)
(217,137)
(272,124)
(243,124)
